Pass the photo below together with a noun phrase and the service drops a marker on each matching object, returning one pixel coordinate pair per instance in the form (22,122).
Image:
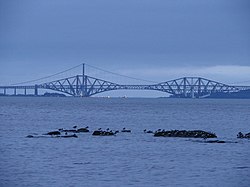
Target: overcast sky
(150,39)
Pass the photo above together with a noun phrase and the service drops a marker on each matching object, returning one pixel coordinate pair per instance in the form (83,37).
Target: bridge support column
(84,83)
(83,80)
(14,91)
(36,90)
(85,87)
(77,85)
(185,87)
(25,91)
(199,87)
(4,91)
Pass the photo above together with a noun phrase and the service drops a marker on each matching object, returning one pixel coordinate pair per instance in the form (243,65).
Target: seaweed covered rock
(241,135)
(125,130)
(147,131)
(185,134)
(30,136)
(53,133)
(215,141)
(97,133)
(247,135)
(103,133)
(69,130)
(85,129)
(82,130)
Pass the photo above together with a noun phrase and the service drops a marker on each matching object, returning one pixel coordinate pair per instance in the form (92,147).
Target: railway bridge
(85,86)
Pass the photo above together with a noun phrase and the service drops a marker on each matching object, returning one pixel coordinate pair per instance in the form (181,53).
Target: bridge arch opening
(133,93)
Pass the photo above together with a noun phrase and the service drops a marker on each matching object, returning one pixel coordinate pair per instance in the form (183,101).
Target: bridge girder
(86,86)
(183,87)
(196,87)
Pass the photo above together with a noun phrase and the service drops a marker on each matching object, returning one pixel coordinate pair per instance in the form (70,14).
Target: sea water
(127,159)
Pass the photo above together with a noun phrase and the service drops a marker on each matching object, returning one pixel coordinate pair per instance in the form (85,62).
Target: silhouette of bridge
(86,86)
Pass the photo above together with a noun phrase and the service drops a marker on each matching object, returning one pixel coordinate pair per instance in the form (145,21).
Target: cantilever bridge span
(86,86)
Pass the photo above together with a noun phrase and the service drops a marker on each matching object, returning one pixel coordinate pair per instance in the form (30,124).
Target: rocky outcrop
(125,130)
(185,134)
(103,133)
(241,135)
(54,136)
(53,133)
(247,135)
(85,129)
(147,131)
(82,130)
(69,130)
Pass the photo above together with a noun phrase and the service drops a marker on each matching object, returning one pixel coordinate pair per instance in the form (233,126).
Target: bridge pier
(14,91)
(199,87)
(83,81)
(36,90)
(77,85)
(185,87)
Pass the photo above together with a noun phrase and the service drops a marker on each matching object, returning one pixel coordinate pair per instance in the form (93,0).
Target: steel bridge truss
(80,85)
(86,86)
(194,87)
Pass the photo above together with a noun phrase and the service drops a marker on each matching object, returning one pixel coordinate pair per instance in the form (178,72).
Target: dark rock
(71,130)
(82,130)
(103,133)
(185,134)
(125,130)
(97,133)
(212,141)
(149,131)
(110,133)
(215,141)
(69,136)
(241,135)
(247,135)
(53,133)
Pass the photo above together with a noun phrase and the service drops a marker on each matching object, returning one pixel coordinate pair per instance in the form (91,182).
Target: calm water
(135,159)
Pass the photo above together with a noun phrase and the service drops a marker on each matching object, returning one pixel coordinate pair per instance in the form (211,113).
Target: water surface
(128,159)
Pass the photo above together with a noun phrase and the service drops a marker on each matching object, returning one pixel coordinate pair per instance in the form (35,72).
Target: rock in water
(185,134)
(241,135)
(247,135)
(97,133)
(125,130)
(103,133)
(53,133)
(82,130)
(29,136)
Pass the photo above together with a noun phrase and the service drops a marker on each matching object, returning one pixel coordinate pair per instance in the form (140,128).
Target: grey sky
(152,39)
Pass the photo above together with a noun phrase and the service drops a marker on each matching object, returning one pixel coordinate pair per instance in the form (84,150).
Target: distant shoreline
(170,97)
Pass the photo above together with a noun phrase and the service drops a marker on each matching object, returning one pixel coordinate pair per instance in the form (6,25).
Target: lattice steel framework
(184,87)
(86,86)
(80,85)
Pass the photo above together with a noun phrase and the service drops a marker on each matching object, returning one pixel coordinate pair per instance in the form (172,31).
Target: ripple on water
(135,159)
